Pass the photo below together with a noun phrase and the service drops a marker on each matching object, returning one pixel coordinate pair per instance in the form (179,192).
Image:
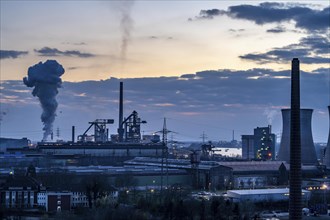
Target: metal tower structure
(203,137)
(132,128)
(295,204)
(164,132)
(100,130)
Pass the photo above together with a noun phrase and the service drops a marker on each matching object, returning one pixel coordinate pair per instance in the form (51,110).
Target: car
(306,211)
(280,213)
(266,214)
(277,213)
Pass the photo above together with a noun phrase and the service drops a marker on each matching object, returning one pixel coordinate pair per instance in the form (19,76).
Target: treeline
(167,206)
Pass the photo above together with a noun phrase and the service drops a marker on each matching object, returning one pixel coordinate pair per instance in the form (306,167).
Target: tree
(214,207)
(31,171)
(202,210)
(125,181)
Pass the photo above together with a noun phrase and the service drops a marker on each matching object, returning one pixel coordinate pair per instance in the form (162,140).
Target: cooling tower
(308,153)
(327,151)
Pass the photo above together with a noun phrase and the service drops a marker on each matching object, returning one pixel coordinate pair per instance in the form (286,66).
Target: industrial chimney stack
(295,204)
(121,113)
(73,134)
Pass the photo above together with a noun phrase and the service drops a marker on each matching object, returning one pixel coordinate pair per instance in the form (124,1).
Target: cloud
(76,44)
(312,50)
(154,37)
(210,13)
(227,99)
(73,67)
(272,12)
(164,104)
(276,30)
(51,52)
(236,30)
(6,54)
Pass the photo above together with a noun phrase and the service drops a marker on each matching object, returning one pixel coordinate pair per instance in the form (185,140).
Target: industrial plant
(98,167)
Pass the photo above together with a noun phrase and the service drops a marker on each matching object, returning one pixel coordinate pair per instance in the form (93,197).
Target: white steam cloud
(270,114)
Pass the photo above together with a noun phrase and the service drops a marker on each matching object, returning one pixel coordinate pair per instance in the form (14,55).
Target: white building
(79,199)
(264,195)
(42,199)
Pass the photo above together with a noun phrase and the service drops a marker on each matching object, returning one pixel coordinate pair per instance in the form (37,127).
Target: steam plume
(126,25)
(45,78)
(270,113)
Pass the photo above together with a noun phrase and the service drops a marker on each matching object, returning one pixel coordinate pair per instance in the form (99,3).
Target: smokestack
(327,151)
(308,155)
(46,79)
(73,131)
(295,145)
(121,113)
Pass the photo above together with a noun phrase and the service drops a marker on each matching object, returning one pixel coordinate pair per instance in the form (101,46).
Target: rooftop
(262,191)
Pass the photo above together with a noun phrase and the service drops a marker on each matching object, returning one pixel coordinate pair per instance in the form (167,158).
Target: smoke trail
(126,26)
(270,114)
(45,78)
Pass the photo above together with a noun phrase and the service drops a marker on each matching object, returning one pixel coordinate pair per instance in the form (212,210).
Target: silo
(327,151)
(308,153)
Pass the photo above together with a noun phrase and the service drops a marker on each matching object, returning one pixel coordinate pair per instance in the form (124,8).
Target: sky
(207,66)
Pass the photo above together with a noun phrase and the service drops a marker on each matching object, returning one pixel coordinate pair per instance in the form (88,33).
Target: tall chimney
(295,205)
(73,131)
(121,112)
(327,151)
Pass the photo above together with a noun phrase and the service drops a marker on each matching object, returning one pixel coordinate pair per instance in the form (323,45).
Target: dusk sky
(212,66)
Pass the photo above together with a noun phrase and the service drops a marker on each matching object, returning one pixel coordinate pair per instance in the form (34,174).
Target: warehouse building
(264,195)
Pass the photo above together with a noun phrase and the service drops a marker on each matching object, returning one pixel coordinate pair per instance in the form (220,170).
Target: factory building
(214,175)
(8,143)
(101,149)
(217,175)
(248,147)
(19,192)
(101,145)
(260,145)
(264,195)
(76,178)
